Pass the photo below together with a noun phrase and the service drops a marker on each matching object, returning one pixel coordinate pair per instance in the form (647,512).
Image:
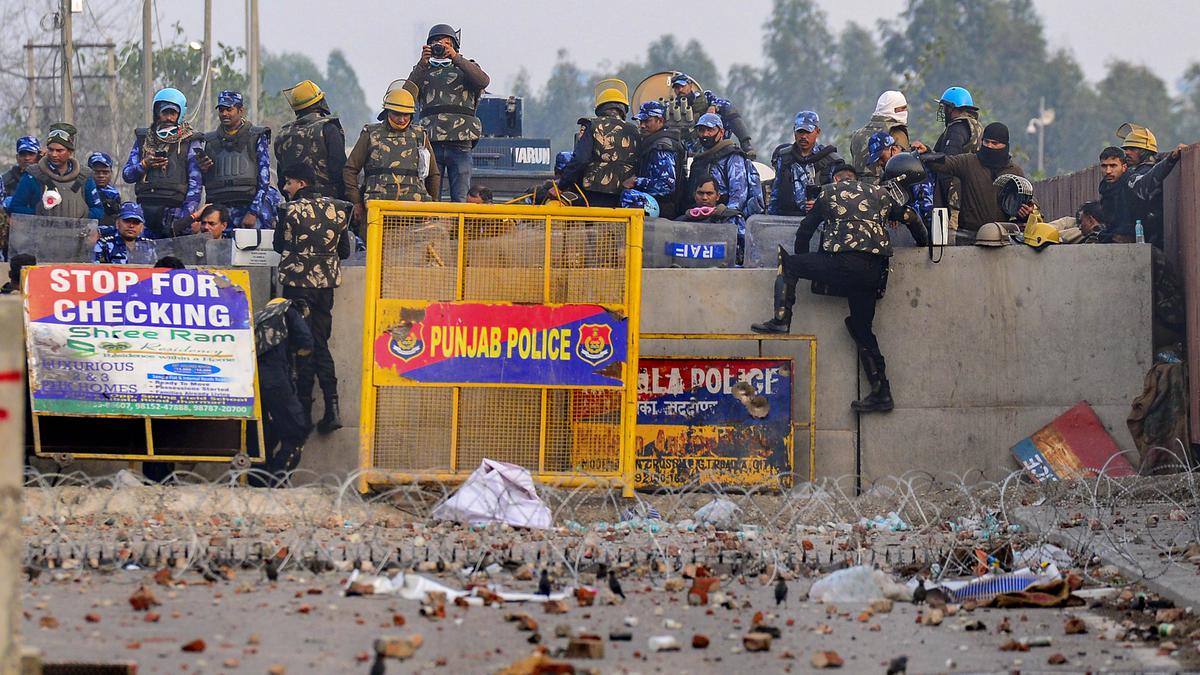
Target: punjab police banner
(116,340)
(478,343)
(725,421)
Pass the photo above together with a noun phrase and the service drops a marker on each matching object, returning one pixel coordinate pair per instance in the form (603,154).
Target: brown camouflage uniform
(389,160)
(308,237)
(614,155)
(302,141)
(448,103)
(857,215)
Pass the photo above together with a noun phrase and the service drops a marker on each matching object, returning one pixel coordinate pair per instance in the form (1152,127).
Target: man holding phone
(448,87)
(801,168)
(163,165)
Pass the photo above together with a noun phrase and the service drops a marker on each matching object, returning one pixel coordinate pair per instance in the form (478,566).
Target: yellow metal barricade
(505,332)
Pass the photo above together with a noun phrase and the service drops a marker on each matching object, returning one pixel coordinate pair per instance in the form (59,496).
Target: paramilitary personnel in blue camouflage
(690,104)
(881,147)
(722,160)
(237,167)
(799,165)
(128,242)
(662,160)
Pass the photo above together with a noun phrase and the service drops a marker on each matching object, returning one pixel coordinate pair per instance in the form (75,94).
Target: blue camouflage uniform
(661,157)
(922,193)
(113,248)
(794,173)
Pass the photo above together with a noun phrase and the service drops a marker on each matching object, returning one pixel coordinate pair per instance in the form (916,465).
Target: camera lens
(438,49)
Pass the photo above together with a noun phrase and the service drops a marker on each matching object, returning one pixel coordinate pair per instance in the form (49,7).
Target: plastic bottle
(1138,232)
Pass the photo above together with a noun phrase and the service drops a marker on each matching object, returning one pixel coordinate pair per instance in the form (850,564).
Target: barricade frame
(369,474)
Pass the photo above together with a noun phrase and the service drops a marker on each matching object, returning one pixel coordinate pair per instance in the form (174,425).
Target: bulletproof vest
(393,163)
(312,228)
(950,188)
(167,186)
(702,164)
(858,145)
(302,141)
(614,155)
(666,139)
(448,106)
(857,218)
(270,326)
(233,178)
(74,204)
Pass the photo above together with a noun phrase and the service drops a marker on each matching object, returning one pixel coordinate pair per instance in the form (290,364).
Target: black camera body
(438,49)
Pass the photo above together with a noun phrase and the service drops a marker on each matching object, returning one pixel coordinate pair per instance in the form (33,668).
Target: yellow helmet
(303,95)
(1138,137)
(1038,233)
(611,90)
(400,100)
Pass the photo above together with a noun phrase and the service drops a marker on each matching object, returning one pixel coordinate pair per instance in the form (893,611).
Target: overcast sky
(382,38)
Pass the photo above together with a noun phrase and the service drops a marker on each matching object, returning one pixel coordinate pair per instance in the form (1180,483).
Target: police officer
(891,115)
(312,237)
(394,156)
(690,104)
(237,166)
(28,151)
(163,165)
(128,242)
(315,138)
(963,135)
(108,196)
(1142,183)
(881,148)
(722,160)
(449,86)
(662,160)
(605,154)
(57,170)
(799,165)
(280,331)
(853,260)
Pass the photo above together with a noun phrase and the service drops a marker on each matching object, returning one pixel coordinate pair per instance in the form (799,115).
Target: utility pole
(148,60)
(31,124)
(206,116)
(1042,136)
(252,57)
(114,127)
(68,53)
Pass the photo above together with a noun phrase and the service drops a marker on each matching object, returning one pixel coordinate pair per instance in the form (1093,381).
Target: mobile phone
(811,192)
(161,154)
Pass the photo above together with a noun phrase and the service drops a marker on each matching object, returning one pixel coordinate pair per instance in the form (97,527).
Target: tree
(1132,93)
(566,96)
(861,76)
(341,84)
(666,54)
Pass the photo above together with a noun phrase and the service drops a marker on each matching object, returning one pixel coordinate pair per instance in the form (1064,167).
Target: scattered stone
(756,642)
(537,663)
(1169,615)
(555,607)
(674,585)
(523,620)
(826,659)
(152,617)
(882,606)
(585,596)
(195,646)
(398,647)
(1056,659)
(563,630)
(1014,646)
(585,647)
(672,624)
(933,618)
(700,641)
(1037,641)
(1004,626)
(91,617)
(620,636)
(769,630)
(142,599)
(524,573)
(1074,626)
(975,625)
(398,620)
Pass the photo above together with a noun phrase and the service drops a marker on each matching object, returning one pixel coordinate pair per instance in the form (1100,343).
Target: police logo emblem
(406,348)
(595,343)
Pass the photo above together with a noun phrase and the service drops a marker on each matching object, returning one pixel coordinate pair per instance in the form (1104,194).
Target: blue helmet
(957,97)
(173,97)
(633,199)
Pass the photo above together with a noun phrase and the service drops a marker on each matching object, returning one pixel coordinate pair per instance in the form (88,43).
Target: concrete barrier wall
(982,349)
(12,453)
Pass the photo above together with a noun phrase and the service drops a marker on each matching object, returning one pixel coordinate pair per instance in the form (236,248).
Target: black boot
(880,398)
(332,420)
(785,297)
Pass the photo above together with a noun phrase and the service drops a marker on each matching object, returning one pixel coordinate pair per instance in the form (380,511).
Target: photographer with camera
(448,86)
(163,166)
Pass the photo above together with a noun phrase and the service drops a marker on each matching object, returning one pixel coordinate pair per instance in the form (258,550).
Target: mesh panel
(505,259)
(412,428)
(420,257)
(500,424)
(592,255)
(583,431)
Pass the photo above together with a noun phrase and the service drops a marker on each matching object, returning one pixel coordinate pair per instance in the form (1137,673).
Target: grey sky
(382,38)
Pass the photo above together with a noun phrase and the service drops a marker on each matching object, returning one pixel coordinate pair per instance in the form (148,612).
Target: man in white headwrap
(891,115)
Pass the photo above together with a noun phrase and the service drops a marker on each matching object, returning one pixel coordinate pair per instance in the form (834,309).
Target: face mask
(708,141)
(993,158)
(899,117)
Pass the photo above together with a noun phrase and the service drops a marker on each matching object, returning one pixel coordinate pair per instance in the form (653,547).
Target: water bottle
(1139,234)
